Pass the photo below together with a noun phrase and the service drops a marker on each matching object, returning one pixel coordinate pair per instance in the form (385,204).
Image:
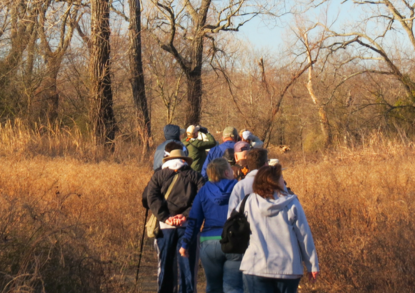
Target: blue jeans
(221,269)
(256,284)
(168,246)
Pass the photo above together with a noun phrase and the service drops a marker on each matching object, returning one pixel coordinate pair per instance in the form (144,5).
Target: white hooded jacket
(281,238)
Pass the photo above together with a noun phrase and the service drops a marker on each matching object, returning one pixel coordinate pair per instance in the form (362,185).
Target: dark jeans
(221,269)
(168,246)
(255,284)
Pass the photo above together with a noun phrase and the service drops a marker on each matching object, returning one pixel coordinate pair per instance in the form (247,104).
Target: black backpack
(236,231)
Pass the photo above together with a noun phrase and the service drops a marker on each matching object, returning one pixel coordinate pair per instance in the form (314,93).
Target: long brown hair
(217,168)
(266,181)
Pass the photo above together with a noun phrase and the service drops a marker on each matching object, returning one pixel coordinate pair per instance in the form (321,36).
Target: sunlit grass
(71,219)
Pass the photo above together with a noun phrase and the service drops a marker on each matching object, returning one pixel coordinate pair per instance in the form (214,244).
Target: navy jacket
(216,152)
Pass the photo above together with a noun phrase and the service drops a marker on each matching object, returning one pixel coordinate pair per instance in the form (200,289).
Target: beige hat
(178,154)
(192,129)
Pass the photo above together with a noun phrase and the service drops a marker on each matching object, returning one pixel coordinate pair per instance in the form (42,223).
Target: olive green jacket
(197,150)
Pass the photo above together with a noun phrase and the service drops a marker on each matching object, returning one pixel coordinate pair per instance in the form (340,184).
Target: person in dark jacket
(171,133)
(172,215)
(211,205)
(229,137)
(197,147)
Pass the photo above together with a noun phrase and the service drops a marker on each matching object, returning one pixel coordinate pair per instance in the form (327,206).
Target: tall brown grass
(360,205)
(71,221)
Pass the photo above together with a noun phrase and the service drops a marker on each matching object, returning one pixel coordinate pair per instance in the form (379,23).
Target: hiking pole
(142,246)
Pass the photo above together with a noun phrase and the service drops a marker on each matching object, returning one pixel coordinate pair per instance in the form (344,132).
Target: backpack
(236,231)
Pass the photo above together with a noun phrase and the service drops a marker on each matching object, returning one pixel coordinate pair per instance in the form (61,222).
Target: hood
(229,144)
(252,173)
(271,207)
(175,164)
(172,131)
(219,192)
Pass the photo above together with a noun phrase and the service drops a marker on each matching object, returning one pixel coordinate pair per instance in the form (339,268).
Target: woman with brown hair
(211,205)
(281,238)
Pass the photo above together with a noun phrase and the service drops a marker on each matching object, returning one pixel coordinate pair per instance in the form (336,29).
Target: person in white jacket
(253,140)
(255,159)
(281,239)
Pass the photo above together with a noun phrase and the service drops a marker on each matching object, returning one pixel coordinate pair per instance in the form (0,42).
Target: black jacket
(181,197)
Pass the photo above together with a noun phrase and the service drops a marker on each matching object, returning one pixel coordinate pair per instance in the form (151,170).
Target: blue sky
(267,35)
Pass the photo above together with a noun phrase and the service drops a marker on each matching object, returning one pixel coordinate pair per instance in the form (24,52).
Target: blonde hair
(216,169)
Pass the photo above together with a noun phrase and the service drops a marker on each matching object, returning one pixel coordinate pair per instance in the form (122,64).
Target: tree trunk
(323,120)
(103,119)
(50,100)
(194,98)
(136,70)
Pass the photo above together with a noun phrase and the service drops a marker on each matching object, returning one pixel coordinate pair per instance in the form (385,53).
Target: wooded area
(122,69)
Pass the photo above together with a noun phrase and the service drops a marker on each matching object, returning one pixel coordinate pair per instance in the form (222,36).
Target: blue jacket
(211,205)
(216,152)
(171,133)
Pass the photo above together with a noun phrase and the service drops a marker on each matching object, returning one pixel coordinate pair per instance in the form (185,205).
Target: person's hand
(180,219)
(183,252)
(177,220)
(312,277)
(203,129)
(170,221)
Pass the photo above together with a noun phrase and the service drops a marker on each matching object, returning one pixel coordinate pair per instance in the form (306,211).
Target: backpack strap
(166,196)
(242,207)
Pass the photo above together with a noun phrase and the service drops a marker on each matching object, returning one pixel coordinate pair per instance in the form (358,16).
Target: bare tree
(187,27)
(374,47)
(102,113)
(53,49)
(136,68)
(312,50)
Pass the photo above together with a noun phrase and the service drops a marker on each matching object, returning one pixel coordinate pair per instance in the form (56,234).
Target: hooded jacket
(242,188)
(211,205)
(182,194)
(197,150)
(280,238)
(171,133)
(216,152)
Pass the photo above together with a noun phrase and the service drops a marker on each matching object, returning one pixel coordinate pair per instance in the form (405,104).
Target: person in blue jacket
(211,205)
(171,133)
(229,137)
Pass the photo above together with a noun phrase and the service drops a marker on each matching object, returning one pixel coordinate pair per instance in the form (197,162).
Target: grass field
(72,222)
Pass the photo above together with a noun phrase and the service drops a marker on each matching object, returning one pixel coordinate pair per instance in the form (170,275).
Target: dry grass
(71,223)
(360,205)
(68,226)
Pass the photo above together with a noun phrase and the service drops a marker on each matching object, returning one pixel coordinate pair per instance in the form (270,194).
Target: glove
(203,130)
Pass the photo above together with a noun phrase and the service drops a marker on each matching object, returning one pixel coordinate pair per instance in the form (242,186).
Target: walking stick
(142,245)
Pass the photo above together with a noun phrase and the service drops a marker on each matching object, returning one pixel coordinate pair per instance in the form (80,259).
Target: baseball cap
(241,146)
(230,132)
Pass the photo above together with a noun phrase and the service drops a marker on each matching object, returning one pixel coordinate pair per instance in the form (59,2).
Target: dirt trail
(147,279)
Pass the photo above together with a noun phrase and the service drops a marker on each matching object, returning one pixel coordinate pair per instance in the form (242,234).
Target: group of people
(196,186)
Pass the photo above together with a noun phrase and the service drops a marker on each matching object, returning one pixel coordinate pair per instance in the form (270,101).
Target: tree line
(128,67)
